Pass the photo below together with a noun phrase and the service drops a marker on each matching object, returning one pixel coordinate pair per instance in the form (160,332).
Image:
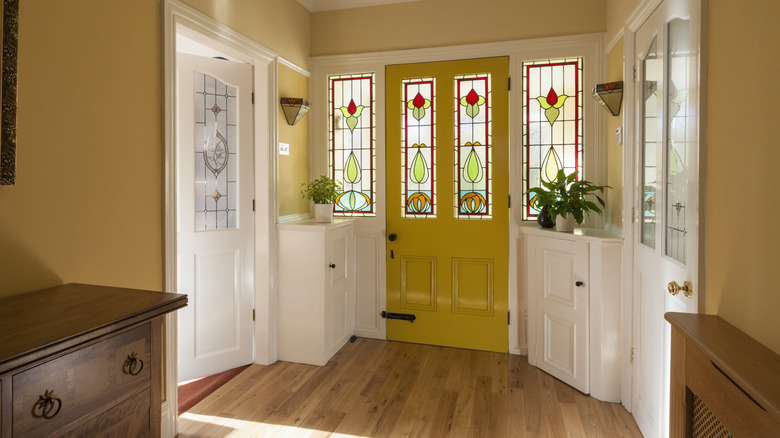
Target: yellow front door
(447,203)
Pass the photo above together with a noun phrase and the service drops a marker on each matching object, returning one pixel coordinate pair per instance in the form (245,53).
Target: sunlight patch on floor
(239,427)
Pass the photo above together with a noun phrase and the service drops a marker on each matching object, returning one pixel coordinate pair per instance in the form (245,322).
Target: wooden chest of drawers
(81,360)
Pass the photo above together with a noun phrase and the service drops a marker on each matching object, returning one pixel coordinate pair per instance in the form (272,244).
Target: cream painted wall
(293,168)
(617,13)
(742,156)
(280,25)
(87,205)
(433,23)
(614,151)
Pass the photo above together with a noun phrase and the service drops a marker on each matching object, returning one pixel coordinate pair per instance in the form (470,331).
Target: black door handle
(392,237)
(332,266)
(579,284)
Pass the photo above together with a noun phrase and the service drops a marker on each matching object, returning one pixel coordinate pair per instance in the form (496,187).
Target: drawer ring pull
(46,404)
(131,362)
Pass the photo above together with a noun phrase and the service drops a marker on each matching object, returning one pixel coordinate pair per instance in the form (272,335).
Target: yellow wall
(617,13)
(742,200)
(280,25)
(433,23)
(614,151)
(87,205)
(293,168)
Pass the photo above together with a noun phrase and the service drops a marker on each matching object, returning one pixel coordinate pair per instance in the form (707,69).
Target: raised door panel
(562,306)
(129,419)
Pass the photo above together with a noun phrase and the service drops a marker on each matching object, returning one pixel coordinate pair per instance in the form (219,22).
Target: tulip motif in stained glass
(351,114)
(472,127)
(418,105)
(552,104)
(472,101)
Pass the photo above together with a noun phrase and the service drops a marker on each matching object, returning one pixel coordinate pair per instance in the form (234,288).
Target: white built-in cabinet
(316,289)
(573,291)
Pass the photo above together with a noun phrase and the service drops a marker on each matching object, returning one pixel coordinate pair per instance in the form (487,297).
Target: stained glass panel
(678,130)
(552,129)
(418,175)
(351,152)
(472,147)
(652,74)
(216,175)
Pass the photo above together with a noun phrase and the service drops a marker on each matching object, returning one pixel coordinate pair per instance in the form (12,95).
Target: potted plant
(565,199)
(323,191)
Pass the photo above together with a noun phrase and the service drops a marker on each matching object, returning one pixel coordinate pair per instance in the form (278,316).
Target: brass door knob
(675,288)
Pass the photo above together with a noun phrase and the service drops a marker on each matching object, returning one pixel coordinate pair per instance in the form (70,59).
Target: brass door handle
(675,288)
(46,404)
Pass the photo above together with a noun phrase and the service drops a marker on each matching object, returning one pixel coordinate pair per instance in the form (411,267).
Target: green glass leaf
(352,201)
(418,113)
(352,169)
(351,123)
(561,100)
(473,169)
(543,102)
(552,114)
(419,169)
(472,110)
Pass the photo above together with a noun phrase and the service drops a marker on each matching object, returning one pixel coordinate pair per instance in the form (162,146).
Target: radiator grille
(705,424)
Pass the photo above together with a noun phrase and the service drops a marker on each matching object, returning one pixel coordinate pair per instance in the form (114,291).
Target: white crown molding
(331,5)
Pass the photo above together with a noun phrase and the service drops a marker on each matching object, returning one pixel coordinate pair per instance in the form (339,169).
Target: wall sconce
(610,96)
(294,108)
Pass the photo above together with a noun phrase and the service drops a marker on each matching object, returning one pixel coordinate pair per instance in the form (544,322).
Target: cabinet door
(562,311)
(336,294)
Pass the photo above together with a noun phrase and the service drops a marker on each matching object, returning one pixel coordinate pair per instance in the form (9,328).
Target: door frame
(370,232)
(265,66)
(631,176)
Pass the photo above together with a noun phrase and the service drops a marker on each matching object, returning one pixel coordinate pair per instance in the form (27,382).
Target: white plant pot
(565,224)
(323,212)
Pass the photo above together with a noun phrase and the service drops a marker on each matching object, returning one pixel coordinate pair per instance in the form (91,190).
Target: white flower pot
(323,212)
(565,224)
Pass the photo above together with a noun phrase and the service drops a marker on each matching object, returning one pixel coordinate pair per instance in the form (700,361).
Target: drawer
(129,419)
(86,380)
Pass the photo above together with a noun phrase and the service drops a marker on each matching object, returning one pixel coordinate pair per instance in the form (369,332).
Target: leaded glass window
(678,132)
(472,147)
(552,126)
(216,174)
(418,175)
(351,152)
(652,75)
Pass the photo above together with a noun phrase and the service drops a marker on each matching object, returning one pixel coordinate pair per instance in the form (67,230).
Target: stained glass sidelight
(216,174)
(473,147)
(351,154)
(678,130)
(418,177)
(651,136)
(552,128)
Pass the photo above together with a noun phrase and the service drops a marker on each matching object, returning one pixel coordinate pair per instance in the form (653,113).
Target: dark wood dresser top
(752,366)
(41,323)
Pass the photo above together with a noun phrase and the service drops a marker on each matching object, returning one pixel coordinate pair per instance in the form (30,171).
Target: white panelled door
(215,229)
(666,192)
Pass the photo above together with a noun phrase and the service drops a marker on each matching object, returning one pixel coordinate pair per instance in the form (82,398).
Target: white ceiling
(329,5)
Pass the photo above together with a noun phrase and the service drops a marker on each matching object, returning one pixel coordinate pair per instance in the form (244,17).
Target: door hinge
(253,205)
(508,320)
(634,73)
(253,98)
(509,202)
(631,359)
(253,314)
(633,215)
(509,83)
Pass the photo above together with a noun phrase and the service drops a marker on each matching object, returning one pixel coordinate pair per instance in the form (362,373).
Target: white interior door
(666,197)
(215,234)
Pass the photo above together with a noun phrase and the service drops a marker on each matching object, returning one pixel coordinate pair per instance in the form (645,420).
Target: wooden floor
(375,388)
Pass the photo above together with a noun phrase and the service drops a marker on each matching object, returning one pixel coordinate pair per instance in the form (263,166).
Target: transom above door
(447,202)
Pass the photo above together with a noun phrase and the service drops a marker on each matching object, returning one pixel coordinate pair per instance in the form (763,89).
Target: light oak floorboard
(374,388)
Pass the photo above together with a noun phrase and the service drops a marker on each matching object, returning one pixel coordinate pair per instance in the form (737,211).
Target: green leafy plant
(566,195)
(322,190)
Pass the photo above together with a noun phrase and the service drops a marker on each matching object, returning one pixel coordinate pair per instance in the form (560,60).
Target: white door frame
(266,98)
(640,14)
